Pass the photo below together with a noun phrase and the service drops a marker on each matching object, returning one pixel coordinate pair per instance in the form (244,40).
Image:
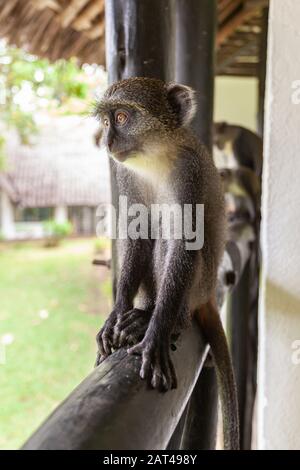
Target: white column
(61,214)
(7,226)
(279,321)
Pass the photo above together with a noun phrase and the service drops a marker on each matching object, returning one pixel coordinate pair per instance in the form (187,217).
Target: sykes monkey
(246,146)
(162,284)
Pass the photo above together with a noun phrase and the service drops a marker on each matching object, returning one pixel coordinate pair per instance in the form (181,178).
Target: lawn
(53,302)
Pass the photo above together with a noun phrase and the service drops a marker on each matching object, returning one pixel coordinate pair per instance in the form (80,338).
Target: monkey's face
(120,132)
(139,115)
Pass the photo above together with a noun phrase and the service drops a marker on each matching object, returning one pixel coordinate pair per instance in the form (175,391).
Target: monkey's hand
(105,337)
(122,328)
(157,367)
(131,327)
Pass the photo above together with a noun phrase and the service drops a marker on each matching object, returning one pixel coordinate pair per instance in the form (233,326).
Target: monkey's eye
(105,122)
(121,117)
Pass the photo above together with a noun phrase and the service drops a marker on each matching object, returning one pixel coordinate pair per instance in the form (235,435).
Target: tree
(29,84)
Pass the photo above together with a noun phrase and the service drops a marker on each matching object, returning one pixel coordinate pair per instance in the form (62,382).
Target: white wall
(279,322)
(61,214)
(7,228)
(236,101)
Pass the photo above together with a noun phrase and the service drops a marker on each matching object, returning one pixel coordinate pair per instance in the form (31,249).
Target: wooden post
(262,71)
(195,40)
(195,57)
(244,300)
(138,39)
(139,42)
(243,318)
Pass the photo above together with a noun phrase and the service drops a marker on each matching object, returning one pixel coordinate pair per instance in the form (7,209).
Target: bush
(56,231)
(101,244)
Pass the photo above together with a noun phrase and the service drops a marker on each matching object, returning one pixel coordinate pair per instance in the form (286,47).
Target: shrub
(101,244)
(56,231)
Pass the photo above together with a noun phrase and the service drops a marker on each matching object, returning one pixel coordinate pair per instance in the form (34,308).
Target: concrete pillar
(7,226)
(279,322)
(61,214)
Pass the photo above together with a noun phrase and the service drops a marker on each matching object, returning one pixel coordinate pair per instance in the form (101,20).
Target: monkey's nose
(110,142)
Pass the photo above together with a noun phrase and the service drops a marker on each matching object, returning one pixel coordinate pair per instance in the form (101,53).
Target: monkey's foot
(157,367)
(131,327)
(105,338)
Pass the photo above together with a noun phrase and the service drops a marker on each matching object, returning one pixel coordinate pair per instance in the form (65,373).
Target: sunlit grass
(53,302)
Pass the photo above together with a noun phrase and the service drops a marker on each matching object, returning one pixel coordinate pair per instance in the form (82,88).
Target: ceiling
(64,28)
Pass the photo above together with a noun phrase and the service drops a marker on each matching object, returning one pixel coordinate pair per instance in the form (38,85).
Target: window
(33,214)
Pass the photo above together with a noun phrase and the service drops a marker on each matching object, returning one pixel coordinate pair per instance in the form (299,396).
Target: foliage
(29,84)
(101,244)
(57,231)
(24,123)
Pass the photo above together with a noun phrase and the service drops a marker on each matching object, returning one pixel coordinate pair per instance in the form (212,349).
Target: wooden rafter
(228,9)
(41,4)
(85,19)
(248,9)
(97,31)
(70,12)
(58,28)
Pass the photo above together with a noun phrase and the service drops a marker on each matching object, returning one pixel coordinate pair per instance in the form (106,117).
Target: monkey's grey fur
(161,283)
(246,146)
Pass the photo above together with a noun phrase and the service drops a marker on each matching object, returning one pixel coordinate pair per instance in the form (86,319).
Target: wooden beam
(7,9)
(195,39)
(69,13)
(238,72)
(113,399)
(228,10)
(228,29)
(232,58)
(96,31)
(84,20)
(221,4)
(42,4)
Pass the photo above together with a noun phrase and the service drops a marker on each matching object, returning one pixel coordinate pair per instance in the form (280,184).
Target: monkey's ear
(98,137)
(220,127)
(182,101)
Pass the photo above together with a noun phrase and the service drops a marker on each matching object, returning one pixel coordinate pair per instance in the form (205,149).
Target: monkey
(246,146)
(98,137)
(242,194)
(162,284)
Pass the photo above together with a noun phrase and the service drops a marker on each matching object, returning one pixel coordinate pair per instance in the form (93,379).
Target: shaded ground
(52,303)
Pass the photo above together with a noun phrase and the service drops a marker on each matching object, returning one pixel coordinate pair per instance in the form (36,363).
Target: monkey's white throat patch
(151,165)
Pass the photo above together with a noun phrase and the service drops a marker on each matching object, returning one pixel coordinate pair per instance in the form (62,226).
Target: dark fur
(247,146)
(161,284)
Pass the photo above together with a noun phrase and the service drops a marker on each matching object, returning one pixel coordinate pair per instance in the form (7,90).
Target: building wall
(7,228)
(14,225)
(279,317)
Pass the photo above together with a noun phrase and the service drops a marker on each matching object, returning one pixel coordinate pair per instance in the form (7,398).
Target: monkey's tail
(212,328)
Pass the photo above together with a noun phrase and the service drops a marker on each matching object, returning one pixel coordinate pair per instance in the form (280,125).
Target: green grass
(49,356)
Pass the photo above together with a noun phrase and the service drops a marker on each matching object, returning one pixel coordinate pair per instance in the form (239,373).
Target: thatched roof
(65,28)
(55,28)
(239,36)
(63,168)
